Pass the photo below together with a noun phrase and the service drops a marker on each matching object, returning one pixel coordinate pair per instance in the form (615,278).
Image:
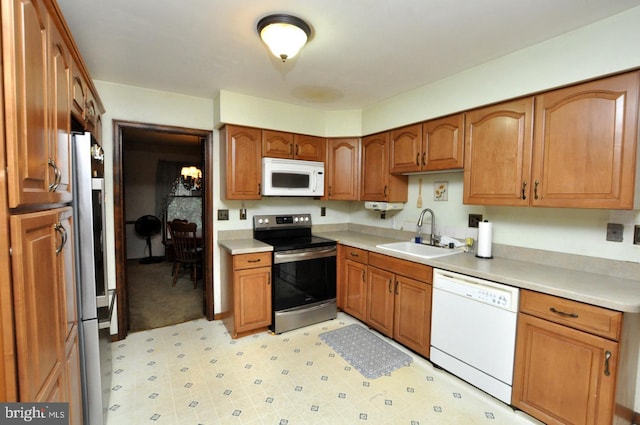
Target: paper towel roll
(485,231)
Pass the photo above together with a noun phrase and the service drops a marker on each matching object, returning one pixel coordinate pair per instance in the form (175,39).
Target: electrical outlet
(243,213)
(223,214)
(636,235)
(323,211)
(614,232)
(474,219)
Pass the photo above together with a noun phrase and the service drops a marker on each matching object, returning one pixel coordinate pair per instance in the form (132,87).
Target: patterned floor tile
(194,373)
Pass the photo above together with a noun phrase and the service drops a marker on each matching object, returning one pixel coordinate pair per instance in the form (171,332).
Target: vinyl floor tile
(194,373)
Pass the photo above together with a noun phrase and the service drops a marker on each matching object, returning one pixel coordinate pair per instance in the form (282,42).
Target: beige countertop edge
(244,246)
(600,290)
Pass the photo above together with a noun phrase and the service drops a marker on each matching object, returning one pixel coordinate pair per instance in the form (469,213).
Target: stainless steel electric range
(303,271)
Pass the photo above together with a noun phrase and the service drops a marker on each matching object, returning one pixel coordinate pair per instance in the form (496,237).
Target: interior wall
(604,47)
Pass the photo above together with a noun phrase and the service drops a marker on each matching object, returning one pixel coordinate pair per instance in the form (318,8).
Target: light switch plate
(636,235)
(614,232)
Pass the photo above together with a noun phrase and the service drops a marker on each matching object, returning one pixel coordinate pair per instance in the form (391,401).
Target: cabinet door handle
(524,186)
(424,158)
(297,150)
(390,286)
(418,159)
(363,277)
(397,287)
(535,189)
(563,314)
(353,254)
(385,191)
(56,173)
(254,261)
(269,278)
(607,356)
(63,237)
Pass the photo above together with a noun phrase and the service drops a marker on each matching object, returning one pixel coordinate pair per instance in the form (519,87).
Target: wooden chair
(169,252)
(186,247)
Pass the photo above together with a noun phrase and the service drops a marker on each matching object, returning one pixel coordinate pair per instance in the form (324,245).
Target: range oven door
(304,287)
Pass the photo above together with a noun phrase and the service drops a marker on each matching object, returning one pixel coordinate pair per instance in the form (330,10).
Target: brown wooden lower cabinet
(355,283)
(564,375)
(247,293)
(397,305)
(45,309)
(74,376)
(389,294)
(352,281)
(381,300)
(412,320)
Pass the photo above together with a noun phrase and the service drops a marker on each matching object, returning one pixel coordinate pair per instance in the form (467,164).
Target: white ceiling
(361,51)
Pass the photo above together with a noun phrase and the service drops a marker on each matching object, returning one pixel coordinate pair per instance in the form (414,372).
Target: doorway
(144,142)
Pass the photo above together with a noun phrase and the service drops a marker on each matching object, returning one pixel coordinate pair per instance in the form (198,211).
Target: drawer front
(356,254)
(402,267)
(249,261)
(586,317)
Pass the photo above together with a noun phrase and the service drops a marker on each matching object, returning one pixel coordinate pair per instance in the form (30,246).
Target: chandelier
(191,178)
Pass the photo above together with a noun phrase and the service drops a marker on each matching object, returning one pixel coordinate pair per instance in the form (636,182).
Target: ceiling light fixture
(191,177)
(284,34)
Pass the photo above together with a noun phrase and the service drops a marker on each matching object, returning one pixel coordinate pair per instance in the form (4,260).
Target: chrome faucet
(432,237)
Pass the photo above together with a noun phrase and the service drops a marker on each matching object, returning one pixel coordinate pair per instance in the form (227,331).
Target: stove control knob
(266,221)
(306,219)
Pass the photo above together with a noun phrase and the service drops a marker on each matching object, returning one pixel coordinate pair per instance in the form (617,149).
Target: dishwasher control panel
(484,291)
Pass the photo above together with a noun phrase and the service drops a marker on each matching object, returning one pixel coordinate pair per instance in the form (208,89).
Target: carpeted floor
(154,303)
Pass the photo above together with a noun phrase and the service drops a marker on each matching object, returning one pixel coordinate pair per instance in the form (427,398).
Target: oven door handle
(302,255)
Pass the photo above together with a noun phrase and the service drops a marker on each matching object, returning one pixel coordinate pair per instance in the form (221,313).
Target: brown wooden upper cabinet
(343,169)
(84,105)
(36,107)
(584,150)
(498,153)
(278,144)
(377,183)
(581,154)
(243,161)
(433,145)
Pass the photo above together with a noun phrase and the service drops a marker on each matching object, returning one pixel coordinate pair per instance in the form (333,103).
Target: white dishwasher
(473,331)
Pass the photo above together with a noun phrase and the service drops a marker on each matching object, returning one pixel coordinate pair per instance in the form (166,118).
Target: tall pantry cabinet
(38,317)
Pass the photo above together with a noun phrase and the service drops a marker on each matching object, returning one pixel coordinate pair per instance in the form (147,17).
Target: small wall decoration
(440,191)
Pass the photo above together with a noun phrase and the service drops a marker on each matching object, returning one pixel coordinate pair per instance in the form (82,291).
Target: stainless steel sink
(419,250)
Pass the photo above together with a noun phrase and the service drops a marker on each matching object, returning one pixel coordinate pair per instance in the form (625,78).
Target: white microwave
(292,177)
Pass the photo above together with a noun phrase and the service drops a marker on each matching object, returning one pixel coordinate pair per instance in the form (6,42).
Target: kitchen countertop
(244,246)
(597,289)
